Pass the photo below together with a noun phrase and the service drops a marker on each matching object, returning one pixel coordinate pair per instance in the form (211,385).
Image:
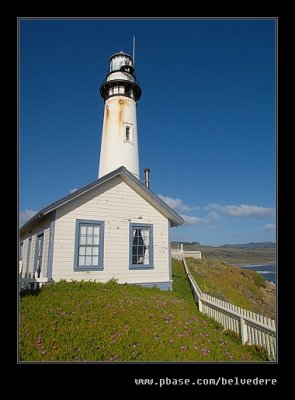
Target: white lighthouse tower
(120,91)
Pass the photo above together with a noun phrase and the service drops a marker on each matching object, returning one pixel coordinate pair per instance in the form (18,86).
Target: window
(141,246)
(20,263)
(128,133)
(89,245)
(27,274)
(38,255)
(21,247)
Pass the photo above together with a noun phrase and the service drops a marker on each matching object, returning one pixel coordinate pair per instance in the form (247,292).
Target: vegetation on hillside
(236,255)
(244,288)
(88,321)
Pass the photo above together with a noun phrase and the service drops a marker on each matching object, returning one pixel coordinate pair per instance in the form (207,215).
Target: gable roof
(127,177)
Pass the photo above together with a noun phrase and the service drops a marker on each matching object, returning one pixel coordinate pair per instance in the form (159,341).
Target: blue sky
(206,118)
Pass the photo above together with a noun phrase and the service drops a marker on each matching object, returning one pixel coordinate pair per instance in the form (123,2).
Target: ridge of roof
(174,216)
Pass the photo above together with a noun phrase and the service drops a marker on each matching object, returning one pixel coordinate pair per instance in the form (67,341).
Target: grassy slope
(109,322)
(235,255)
(235,285)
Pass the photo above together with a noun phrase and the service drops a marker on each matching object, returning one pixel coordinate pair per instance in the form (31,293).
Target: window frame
(39,235)
(21,250)
(130,132)
(28,257)
(99,266)
(133,225)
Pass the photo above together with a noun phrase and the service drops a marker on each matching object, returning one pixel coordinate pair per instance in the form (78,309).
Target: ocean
(268,271)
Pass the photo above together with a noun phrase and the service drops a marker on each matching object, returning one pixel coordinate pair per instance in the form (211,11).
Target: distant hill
(237,254)
(252,245)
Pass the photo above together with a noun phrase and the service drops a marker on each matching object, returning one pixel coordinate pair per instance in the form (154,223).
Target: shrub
(89,321)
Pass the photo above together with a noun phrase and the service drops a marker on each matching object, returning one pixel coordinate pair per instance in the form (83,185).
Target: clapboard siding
(43,226)
(36,228)
(117,205)
(25,258)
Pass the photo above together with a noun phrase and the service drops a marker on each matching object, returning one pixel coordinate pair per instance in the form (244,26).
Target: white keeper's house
(114,227)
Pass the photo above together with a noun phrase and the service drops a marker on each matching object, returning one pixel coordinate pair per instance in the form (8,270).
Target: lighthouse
(91,234)
(119,142)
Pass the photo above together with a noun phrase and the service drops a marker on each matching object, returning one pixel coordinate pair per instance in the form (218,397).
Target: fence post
(243,331)
(200,305)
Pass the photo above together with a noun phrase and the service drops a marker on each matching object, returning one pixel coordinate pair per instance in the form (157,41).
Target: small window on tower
(128,133)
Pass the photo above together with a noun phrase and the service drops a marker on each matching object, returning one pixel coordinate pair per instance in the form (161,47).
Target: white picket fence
(253,328)
(178,253)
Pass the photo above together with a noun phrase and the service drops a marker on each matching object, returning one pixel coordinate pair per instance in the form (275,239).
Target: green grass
(88,321)
(232,284)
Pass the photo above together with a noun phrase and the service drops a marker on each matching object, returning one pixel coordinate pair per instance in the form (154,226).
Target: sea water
(268,271)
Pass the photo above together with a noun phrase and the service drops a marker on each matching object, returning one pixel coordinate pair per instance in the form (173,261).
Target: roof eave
(30,221)
(136,184)
(150,196)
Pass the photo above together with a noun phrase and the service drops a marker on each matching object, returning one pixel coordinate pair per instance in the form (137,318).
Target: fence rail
(178,253)
(252,328)
(32,283)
